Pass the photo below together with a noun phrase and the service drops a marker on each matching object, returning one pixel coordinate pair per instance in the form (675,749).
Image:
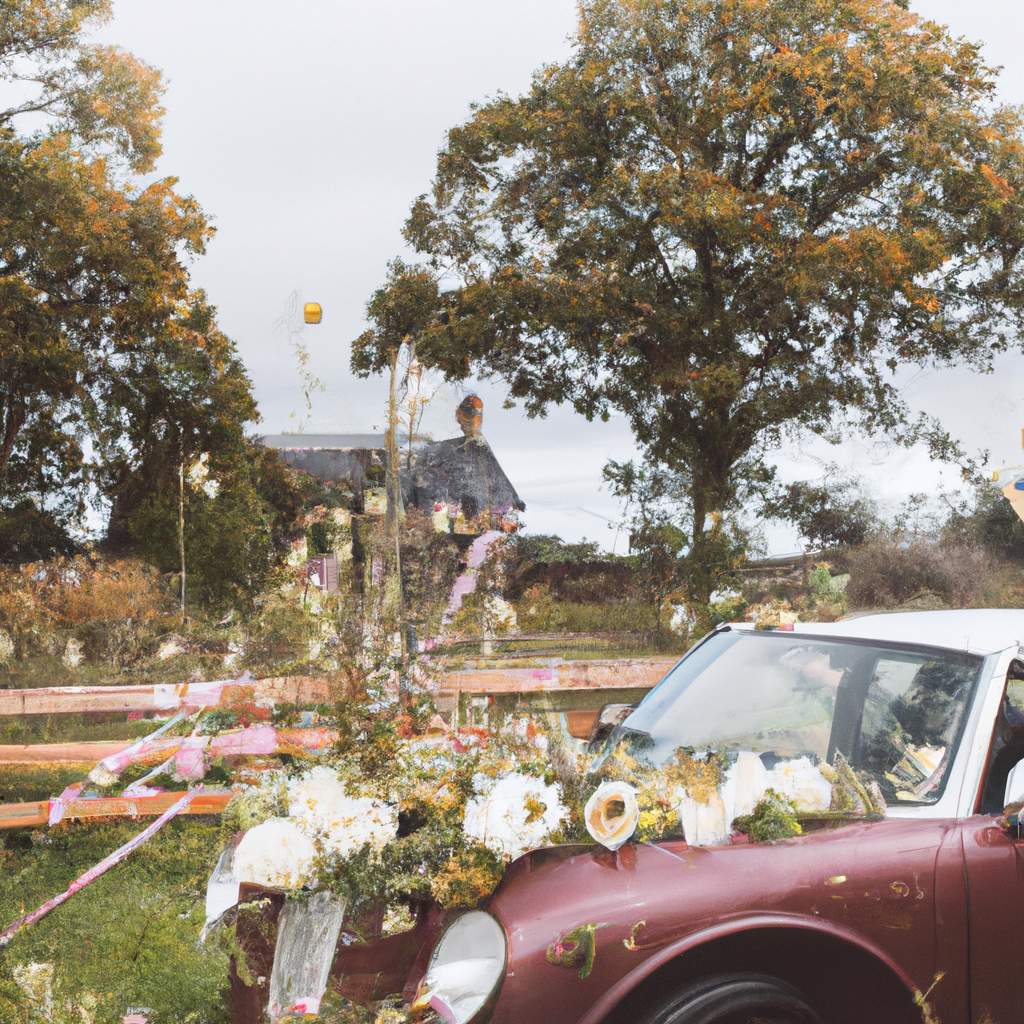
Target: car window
(1015,695)
(895,712)
(910,722)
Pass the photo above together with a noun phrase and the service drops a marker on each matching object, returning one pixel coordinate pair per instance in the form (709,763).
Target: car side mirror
(608,718)
(1014,793)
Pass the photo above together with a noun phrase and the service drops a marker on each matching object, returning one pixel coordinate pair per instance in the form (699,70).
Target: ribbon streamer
(95,872)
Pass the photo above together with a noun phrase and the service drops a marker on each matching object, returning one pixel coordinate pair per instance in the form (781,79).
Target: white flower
(211,488)
(612,814)
(801,782)
(343,824)
(513,814)
(276,854)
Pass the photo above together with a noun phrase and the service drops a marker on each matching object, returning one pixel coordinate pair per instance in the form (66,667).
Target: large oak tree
(729,220)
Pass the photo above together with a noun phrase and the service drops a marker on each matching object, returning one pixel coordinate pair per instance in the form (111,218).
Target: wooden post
(181,530)
(394,519)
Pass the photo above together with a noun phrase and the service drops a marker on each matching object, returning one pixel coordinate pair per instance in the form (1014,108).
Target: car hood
(868,878)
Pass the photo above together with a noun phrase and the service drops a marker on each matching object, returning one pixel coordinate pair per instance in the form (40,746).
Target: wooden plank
(37,812)
(24,815)
(86,752)
(228,744)
(558,674)
(51,700)
(144,806)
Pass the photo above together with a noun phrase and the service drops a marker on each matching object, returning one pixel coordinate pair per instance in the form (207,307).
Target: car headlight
(465,968)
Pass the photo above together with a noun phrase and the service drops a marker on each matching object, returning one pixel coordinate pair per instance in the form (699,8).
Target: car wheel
(736,999)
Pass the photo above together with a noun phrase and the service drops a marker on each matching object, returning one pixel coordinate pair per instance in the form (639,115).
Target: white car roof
(979,631)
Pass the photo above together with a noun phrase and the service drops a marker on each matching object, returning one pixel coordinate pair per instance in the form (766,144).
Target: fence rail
(555,674)
(533,645)
(573,689)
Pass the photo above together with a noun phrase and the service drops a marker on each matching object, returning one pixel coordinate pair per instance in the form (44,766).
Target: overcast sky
(306,129)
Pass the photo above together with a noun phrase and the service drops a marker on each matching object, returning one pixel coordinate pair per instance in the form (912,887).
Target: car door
(994,862)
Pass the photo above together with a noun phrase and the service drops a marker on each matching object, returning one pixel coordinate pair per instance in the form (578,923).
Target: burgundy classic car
(912,915)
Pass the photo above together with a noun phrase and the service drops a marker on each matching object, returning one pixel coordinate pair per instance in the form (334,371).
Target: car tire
(736,999)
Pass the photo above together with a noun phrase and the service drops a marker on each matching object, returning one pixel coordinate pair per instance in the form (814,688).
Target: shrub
(107,604)
(833,513)
(991,522)
(548,549)
(889,571)
(539,611)
(29,533)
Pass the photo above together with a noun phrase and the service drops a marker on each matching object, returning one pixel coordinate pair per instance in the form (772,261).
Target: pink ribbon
(95,872)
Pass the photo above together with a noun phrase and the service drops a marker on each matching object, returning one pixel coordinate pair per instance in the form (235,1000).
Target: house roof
(976,630)
(336,442)
(462,470)
(332,442)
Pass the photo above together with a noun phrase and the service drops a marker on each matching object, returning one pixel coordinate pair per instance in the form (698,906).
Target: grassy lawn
(130,939)
(72,728)
(20,783)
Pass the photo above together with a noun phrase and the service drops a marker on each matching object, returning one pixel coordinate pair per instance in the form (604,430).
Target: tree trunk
(14,418)
(181,531)
(700,570)
(394,518)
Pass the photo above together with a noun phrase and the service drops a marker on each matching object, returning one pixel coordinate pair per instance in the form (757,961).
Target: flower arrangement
(402,811)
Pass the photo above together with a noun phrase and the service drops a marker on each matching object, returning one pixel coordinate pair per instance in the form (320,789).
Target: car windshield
(894,712)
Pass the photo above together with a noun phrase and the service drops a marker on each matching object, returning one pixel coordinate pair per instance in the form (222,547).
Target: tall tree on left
(92,262)
(111,367)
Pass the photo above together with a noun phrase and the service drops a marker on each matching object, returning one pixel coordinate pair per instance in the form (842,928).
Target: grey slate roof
(462,470)
(337,442)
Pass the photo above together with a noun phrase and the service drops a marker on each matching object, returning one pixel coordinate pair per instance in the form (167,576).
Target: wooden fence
(575,689)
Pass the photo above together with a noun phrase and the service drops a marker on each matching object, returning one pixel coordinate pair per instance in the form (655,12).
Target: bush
(889,571)
(991,523)
(29,533)
(102,602)
(234,536)
(834,513)
(539,611)
(547,549)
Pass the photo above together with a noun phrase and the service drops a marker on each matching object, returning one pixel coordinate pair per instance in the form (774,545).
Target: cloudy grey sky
(306,129)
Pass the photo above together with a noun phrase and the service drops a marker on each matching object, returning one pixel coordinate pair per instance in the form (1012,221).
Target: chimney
(470,415)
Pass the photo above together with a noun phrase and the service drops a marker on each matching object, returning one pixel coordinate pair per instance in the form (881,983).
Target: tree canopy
(728,220)
(833,512)
(112,367)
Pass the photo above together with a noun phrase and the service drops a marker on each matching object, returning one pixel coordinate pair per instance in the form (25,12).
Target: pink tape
(95,872)
(190,760)
(465,584)
(117,763)
(59,804)
(257,739)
